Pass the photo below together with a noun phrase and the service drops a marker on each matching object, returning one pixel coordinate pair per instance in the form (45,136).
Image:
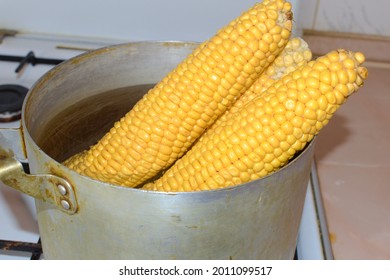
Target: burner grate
(36,249)
(30,58)
(28,247)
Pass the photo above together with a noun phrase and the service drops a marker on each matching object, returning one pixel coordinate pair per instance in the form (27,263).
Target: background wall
(194,20)
(355,16)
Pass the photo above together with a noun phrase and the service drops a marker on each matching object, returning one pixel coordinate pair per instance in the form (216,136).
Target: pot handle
(47,187)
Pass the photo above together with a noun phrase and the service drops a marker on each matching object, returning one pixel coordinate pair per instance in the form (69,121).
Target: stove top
(24,58)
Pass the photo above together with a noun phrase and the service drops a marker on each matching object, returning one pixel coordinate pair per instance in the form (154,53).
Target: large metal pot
(80,218)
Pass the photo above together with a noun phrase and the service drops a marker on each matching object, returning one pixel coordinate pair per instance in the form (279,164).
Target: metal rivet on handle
(65,204)
(62,189)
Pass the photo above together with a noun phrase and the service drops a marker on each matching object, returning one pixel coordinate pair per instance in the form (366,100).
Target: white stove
(17,211)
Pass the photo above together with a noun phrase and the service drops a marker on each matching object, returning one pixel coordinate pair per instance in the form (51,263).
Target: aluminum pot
(72,106)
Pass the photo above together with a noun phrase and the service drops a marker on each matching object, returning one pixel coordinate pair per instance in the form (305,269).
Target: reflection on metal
(321,217)
(12,139)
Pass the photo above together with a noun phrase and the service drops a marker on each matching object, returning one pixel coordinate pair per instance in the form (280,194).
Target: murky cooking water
(79,126)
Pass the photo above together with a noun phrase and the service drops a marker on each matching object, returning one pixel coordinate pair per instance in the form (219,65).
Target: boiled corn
(295,54)
(270,129)
(172,115)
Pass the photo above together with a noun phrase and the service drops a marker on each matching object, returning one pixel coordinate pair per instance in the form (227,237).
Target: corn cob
(172,115)
(270,129)
(295,54)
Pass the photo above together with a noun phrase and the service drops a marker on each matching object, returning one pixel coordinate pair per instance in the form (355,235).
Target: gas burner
(11,101)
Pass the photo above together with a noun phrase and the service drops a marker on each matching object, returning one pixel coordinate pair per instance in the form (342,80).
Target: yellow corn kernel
(286,62)
(271,152)
(210,81)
